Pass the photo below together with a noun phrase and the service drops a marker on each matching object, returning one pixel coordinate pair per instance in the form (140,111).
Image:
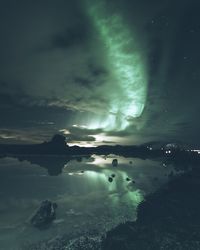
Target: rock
(44,215)
(115,162)
(58,140)
(110,179)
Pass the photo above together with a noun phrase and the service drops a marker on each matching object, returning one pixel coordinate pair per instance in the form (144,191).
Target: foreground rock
(44,215)
(168,219)
(115,162)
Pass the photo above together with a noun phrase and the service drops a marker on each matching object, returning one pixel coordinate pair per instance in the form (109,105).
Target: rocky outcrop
(44,215)
(115,162)
(168,219)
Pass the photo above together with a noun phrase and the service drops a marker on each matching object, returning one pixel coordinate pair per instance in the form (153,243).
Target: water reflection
(87,200)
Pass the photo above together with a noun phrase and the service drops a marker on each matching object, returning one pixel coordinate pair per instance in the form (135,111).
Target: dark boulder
(110,179)
(115,162)
(45,214)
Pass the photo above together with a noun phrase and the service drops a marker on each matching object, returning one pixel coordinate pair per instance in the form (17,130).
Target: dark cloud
(73,36)
(27,135)
(83,81)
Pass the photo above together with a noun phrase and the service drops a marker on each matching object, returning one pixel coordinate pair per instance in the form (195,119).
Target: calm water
(87,201)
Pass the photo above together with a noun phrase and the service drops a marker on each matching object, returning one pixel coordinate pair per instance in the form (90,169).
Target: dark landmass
(61,153)
(169,219)
(58,146)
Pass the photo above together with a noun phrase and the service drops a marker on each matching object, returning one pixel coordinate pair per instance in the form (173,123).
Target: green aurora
(128,88)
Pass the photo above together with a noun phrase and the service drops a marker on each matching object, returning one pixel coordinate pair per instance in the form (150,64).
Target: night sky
(100,72)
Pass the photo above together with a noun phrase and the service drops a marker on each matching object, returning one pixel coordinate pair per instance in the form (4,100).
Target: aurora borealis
(99,72)
(99,109)
(128,86)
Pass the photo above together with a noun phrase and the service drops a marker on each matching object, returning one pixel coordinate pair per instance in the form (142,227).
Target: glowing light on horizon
(65,131)
(81,144)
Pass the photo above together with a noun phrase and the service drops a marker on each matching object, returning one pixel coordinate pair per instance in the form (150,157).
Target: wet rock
(44,215)
(110,179)
(115,162)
